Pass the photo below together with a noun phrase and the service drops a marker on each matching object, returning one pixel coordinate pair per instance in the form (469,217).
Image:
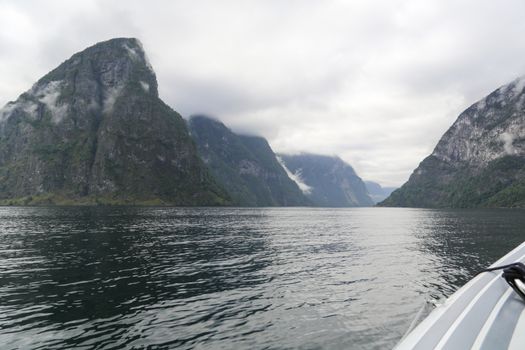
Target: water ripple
(157,278)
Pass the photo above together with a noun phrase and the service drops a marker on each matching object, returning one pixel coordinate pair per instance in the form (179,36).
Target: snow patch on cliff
(295,177)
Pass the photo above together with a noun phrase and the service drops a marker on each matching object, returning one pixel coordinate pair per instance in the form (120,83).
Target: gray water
(208,278)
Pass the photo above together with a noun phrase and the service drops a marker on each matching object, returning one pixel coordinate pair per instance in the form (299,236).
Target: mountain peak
(130,47)
(94,79)
(107,66)
(95,129)
(202,118)
(479,161)
(487,130)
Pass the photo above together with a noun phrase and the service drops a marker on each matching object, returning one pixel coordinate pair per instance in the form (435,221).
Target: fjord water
(215,278)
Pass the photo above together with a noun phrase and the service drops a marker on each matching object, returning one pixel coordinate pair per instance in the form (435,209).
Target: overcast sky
(375,82)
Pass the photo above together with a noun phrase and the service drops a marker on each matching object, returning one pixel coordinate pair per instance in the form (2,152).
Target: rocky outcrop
(479,161)
(94,130)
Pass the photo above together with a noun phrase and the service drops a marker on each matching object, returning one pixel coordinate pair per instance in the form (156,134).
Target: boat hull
(483,314)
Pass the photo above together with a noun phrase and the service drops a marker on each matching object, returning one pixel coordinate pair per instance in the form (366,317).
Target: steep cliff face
(327,181)
(94,130)
(479,161)
(245,166)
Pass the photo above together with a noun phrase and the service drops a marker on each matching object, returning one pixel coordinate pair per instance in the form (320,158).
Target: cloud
(508,140)
(296,177)
(376,82)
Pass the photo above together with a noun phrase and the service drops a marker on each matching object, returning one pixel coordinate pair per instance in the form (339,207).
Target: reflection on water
(100,278)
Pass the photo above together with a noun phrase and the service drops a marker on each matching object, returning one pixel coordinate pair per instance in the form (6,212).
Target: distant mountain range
(94,131)
(254,175)
(377,192)
(479,161)
(327,181)
(246,166)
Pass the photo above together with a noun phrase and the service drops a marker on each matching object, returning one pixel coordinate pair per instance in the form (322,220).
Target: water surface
(215,278)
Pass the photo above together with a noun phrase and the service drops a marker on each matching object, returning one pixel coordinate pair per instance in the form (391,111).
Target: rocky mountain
(94,130)
(377,192)
(245,166)
(327,181)
(479,161)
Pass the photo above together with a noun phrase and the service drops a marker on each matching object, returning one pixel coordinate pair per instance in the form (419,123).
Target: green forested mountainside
(479,161)
(500,184)
(245,166)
